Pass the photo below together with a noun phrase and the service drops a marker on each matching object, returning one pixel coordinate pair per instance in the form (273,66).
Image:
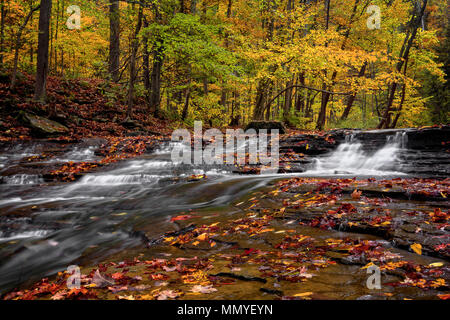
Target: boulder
(43,126)
(268,125)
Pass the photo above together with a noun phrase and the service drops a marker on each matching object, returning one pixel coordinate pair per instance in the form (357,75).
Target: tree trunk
(258,113)
(182,6)
(155,96)
(300,105)
(146,65)
(42,53)
(56,37)
(2,29)
(288,99)
(402,100)
(186,101)
(133,73)
(351,98)
(114,40)
(158,59)
(223,95)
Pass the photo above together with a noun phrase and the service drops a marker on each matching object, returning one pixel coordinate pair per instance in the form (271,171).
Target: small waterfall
(22,179)
(107,180)
(351,158)
(79,154)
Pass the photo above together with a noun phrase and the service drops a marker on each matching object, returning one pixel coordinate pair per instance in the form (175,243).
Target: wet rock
(43,126)
(428,138)
(272,291)
(308,144)
(239,277)
(130,124)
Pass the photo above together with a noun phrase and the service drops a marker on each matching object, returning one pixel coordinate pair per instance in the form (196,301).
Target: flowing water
(351,158)
(44,227)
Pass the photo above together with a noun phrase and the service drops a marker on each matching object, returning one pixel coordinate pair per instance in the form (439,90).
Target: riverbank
(75,109)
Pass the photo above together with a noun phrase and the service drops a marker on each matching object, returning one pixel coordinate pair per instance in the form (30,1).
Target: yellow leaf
(303,294)
(417,248)
(367,265)
(436,264)
(266,230)
(203,237)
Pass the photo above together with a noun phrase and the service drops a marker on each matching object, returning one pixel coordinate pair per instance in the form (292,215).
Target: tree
(18,45)
(114,40)
(404,54)
(133,60)
(42,53)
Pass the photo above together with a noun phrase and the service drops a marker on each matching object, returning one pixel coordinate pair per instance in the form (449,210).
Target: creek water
(45,227)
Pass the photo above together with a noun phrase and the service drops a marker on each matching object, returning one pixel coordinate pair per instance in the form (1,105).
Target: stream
(47,226)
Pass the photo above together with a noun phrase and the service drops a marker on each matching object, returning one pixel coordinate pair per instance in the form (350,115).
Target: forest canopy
(312,64)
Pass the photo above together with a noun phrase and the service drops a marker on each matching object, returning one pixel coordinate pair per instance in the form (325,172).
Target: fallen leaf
(417,248)
(303,294)
(203,289)
(436,264)
(356,194)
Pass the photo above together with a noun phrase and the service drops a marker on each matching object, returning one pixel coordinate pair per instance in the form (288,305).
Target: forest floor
(87,108)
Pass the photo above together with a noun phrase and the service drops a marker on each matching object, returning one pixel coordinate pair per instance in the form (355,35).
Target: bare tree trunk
(133,73)
(18,45)
(114,40)
(42,53)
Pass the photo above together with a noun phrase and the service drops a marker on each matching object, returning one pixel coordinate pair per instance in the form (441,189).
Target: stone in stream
(43,126)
